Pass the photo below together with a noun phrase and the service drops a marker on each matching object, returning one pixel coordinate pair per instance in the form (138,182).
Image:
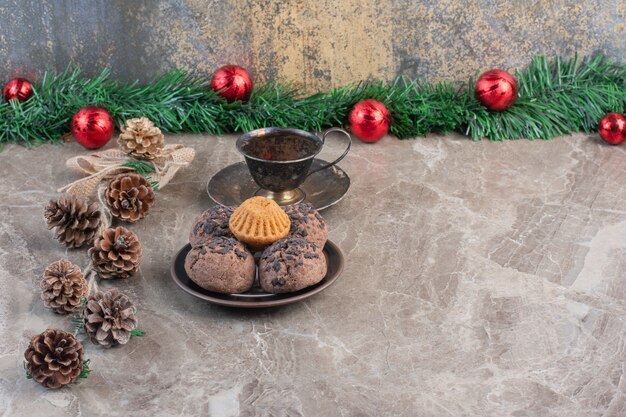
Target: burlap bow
(107,164)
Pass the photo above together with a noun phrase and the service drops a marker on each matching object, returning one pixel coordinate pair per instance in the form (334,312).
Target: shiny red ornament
(369,120)
(18,88)
(496,90)
(612,128)
(92,127)
(232,82)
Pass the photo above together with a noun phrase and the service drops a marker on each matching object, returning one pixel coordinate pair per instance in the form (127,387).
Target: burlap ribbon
(107,164)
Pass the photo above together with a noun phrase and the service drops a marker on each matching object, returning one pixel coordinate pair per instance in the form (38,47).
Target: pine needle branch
(142,167)
(84,373)
(28,375)
(556,97)
(137,333)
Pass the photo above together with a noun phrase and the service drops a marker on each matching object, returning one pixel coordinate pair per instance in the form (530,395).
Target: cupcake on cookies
(258,222)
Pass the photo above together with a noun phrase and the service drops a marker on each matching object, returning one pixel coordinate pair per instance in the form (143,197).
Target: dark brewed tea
(281,148)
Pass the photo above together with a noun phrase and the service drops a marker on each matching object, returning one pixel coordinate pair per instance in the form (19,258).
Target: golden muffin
(259,222)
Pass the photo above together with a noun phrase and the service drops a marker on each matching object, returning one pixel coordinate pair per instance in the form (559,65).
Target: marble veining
(482,279)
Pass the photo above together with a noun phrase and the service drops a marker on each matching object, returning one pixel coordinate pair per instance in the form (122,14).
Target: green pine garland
(556,97)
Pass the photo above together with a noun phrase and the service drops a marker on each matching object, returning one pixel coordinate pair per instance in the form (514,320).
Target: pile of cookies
(224,240)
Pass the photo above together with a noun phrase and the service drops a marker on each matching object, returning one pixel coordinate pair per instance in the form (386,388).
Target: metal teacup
(279,160)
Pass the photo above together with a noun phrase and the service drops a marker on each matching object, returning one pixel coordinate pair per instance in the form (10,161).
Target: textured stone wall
(319,44)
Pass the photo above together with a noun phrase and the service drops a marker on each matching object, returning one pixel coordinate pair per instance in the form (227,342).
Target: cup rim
(284,130)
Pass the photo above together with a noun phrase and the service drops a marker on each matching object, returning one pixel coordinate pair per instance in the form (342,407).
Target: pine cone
(129,197)
(141,138)
(62,286)
(109,318)
(75,220)
(116,253)
(54,358)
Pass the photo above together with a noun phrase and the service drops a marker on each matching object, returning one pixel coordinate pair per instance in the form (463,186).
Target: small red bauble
(92,127)
(369,120)
(612,128)
(496,90)
(18,88)
(232,82)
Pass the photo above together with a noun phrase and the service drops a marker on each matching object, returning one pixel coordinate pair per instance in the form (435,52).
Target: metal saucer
(233,185)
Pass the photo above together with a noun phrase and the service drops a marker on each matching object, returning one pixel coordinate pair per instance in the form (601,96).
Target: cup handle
(343,155)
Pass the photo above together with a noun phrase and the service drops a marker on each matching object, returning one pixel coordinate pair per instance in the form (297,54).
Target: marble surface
(482,279)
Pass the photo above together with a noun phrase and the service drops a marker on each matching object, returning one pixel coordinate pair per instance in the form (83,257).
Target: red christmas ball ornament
(232,82)
(18,88)
(92,127)
(369,120)
(612,128)
(496,90)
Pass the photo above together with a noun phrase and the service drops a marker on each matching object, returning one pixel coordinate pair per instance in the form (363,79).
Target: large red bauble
(612,128)
(496,90)
(92,127)
(18,88)
(234,82)
(369,120)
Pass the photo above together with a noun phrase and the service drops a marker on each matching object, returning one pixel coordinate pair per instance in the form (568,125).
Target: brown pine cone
(54,358)
(75,220)
(141,138)
(116,253)
(109,318)
(62,286)
(129,197)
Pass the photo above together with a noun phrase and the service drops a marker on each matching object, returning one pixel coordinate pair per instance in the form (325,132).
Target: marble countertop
(481,279)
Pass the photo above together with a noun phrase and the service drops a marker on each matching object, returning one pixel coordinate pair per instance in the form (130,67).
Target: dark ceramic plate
(256,297)
(233,185)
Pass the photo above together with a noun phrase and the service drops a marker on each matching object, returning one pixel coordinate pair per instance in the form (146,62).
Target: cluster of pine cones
(117,251)
(54,358)
(76,221)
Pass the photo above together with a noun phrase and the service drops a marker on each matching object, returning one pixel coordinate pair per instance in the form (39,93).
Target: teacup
(279,160)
